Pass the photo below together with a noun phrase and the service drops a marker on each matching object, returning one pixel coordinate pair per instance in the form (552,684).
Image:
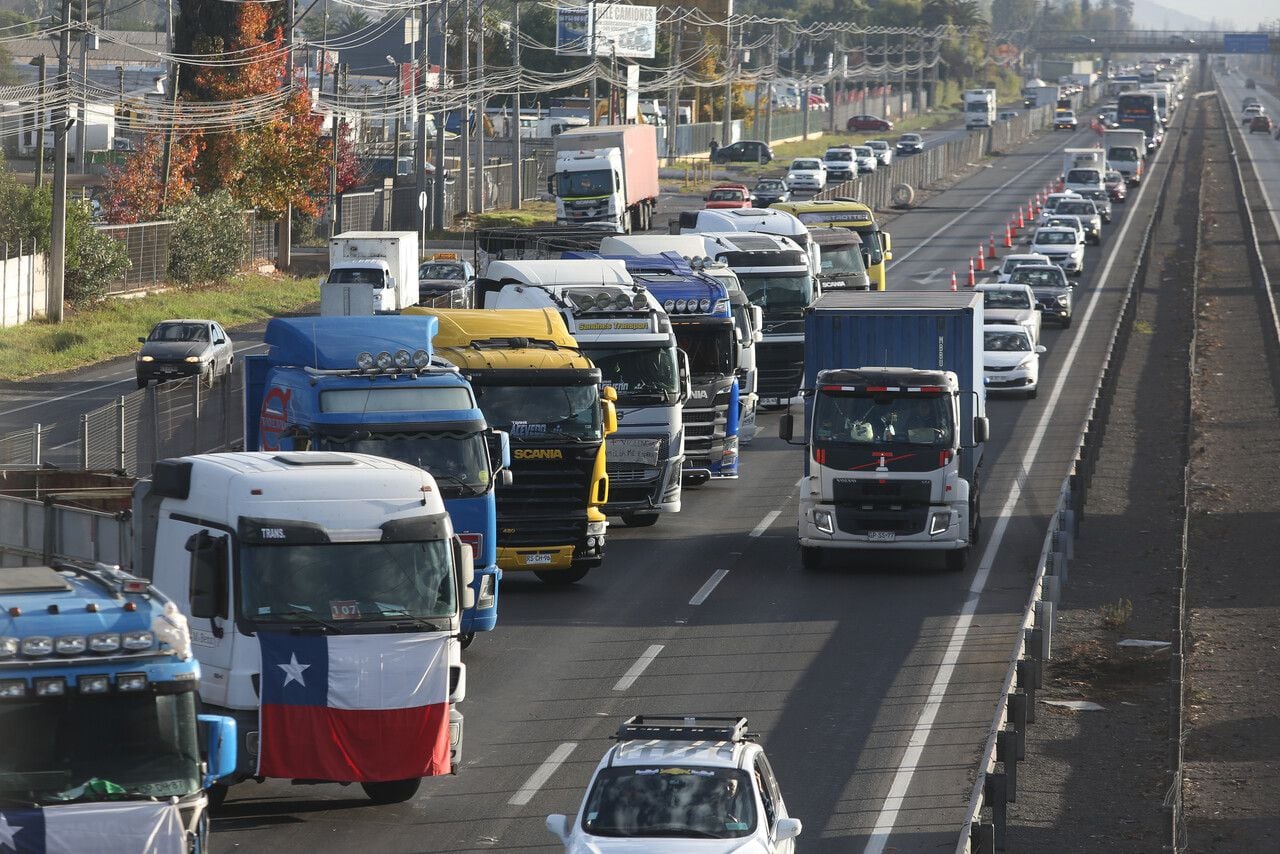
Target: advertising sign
(623,31)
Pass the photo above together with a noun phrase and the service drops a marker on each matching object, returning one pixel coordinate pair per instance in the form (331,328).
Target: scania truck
(628,336)
(895,424)
(372,385)
(877,246)
(101,732)
(532,380)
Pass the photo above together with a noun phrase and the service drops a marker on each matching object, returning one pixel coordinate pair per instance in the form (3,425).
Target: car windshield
(862,419)
(180,332)
(670,801)
(1114,177)
(1054,238)
(863,151)
(879,145)
(839,154)
(1005,299)
(842,260)
(1083,176)
(806,164)
(363,581)
(725,196)
(590,182)
(771,185)
(778,294)
(1076,208)
(143,743)
(909,137)
(459,461)
(534,410)
(1037,276)
(710,349)
(437,270)
(638,374)
(1006,341)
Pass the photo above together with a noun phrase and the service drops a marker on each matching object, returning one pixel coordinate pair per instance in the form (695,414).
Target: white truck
(979,108)
(1083,169)
(370,272)
(1125,149)
(606,175)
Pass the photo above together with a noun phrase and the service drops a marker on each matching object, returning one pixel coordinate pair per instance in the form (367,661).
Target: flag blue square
(295,669)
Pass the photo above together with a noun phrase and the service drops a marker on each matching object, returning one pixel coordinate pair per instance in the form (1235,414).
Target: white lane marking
(642,664)
(893,801)
(765,523)
(705,590)
(539,778)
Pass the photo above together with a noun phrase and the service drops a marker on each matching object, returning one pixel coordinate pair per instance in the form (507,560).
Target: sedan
(868,123)
(1054,294)
(1013,262)
(910,143)
(743,151)
(184,348)
(769,191)
(1117,187)
(1011,304)
(866,157)
(883,150)
(807,173)
(1010,360)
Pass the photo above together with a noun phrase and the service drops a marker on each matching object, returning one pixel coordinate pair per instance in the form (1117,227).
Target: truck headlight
(105,642)
(95,684)
(597,529)
(8,646)
(939,523)
(822,521)
(54,686)
(138,640)
(37,645)
(70,644)
(11,689)
(131,682)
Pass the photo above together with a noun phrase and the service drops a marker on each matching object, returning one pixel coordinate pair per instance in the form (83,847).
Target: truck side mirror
(686,390)
(888,245)
(610,416)
(220,747)
(786,425)
(981,429)
(391,283)
(465,562)
(757,322)
(609,393)
(551,184)
(208,589)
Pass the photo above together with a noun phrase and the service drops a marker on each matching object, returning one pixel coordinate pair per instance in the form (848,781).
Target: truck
(895,425)
(1037,93)
(373,385)
(979,108)
(370,272)
(1125,149)
(103,731)
(1165,100)
(531,379)
(1094,159)
(775,220)
(626,333)
(1138,110)
(877,245)
(606,175)
(840,263)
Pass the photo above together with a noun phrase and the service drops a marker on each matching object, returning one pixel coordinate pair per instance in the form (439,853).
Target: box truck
(606,175)
(370,272)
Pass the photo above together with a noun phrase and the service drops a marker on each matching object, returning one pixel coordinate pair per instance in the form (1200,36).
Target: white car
(807,173)
(840,162)
(866,156)
(681,784)
(1062,220)
(883,150)
(1251,111)
(1011,304)
(1084,179)
(1063,246)
(1051,202)
(1012,262)
(1010,360)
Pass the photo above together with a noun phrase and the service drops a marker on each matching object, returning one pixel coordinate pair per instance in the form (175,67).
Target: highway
(1263,149)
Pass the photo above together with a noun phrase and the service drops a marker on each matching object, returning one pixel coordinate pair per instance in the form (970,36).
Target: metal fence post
(84,442)
(36,444)
(195,411)
(120,463)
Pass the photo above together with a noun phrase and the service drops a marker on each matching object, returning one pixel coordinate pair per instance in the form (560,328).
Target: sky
(1242,14)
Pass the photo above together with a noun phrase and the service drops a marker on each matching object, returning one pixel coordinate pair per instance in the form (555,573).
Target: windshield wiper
(458,481)
(671,830)
(309,615)
(425,625)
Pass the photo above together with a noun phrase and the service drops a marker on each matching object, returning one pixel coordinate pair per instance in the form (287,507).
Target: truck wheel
(391,792)
(639,520)
(958,560)
(563,577)
(466,638)
(810,557)
(217,794)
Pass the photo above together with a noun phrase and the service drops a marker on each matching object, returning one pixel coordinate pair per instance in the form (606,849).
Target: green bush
(207,240)
(94,259)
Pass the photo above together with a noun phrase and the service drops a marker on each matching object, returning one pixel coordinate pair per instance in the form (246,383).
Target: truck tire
(811,557)
(903,195)
(957,560)
(563,577)
(639,520)
(217,794)
(392,791)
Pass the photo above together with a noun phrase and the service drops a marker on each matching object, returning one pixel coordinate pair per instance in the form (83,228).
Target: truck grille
(780,367)
(546,503)
(900,506)
(704,429)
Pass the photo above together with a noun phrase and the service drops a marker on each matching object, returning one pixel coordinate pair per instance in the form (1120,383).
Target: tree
(135,190)
(354,21)
(1009,15)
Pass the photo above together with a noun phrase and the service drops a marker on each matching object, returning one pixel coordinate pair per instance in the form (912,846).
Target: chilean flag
(94,828)
(354,708)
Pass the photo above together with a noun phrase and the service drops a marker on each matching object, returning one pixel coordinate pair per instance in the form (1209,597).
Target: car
(868,123)
(744,151)
(1117,186)
(1101,199)
(728,197)
(1064,120)
(184,348)
(1054,293)
(841,163)
(807,173)
(1014,261)
(1079,39)
(883,150)
(1252,111)
(446,281)
(1248,100)
(1064,246)
(1260,123)
(681,784)
(866,157)
(910,143)
(1072,222)
(770,191)
(1011,304)
(1010,360)
(1051,203)
(1006,115)
(1181,40)
(1249,84)
(1086,212)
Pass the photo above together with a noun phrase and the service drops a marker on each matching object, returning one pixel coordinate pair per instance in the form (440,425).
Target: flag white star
(7,832)
(293,670)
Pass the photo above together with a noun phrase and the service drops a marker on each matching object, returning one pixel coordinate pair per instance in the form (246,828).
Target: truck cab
(840,266)
(306,578)
(877,246)
(374,386)
(98,702)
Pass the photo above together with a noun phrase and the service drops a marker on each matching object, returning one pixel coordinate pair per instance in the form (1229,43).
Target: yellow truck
(877,247)
(531,380)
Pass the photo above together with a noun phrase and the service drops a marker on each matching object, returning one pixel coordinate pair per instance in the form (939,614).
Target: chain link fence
(148,247)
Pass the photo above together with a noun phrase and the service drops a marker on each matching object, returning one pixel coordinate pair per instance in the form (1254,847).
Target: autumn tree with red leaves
(135,189)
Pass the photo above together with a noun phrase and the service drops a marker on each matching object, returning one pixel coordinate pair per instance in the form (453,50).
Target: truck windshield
(842,260)
(863,419)
(571,411)
(669,801)
(589,182)
(638,375)
(346,581)
(710,349)
(143,743)
(1122,155)
(458,461)
(872,253)
(779,294)
(356,276)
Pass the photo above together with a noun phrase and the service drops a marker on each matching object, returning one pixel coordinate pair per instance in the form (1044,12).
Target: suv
(883,150)
(840,162)
(1086,210)
(910,143)
(744,151)
(1053,292)
(1064,120)
(1260,123)
(674,783)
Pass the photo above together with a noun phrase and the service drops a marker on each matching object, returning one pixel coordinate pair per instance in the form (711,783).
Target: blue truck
(703,322)
(895,424)
(373,385)
(98,706)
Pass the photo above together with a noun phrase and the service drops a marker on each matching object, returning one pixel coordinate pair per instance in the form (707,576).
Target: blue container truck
(98,708)
(895,424)
(373,385)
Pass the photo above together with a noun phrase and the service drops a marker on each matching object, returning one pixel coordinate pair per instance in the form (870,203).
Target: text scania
(538,454)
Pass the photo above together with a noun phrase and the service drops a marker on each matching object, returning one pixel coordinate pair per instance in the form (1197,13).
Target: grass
(111,328)
(531,214)
(1116,616)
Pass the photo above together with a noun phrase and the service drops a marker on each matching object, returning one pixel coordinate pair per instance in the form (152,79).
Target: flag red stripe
(357,746)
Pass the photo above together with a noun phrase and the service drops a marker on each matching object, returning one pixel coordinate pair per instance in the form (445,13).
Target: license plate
(768,401)
(538,559)
(881,536)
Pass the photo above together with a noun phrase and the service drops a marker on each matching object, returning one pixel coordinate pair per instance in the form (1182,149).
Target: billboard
(1245,43)
(624,31)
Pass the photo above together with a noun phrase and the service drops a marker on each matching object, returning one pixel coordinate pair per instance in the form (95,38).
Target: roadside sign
(1246,43)
(422,201)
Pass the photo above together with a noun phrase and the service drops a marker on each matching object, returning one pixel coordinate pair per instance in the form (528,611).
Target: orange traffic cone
(953,281)
(982,264)
(973,280)
(991,246)
(1008,237)
(1022,223)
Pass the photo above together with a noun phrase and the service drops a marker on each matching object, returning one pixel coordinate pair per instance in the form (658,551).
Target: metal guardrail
(982,830)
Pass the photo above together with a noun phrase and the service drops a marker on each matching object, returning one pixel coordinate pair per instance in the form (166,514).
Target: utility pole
(58,226)
(420,135)
(481,184)
(673,94)
(884,83)
(464,123)
(517,194)
(83,101)
(902,84)
(726,118)
(591,52)
(441,51)
(41,120)
(768,92)
(166,157)
(920,45)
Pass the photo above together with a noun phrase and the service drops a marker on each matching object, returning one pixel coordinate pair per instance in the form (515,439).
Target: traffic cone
(953,281)
(1022,223)
(991,246)
(982,264)
(973,280)
(1008,237)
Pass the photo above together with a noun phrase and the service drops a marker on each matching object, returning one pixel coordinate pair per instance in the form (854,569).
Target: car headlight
(1063,300)
(1026,363)
(191,360)
(146,358)
(822,521)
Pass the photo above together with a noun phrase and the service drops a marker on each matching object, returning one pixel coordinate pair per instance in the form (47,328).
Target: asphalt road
(1263,148)
(872,687)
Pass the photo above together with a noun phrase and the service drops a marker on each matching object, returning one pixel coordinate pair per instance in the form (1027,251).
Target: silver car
(185,348)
